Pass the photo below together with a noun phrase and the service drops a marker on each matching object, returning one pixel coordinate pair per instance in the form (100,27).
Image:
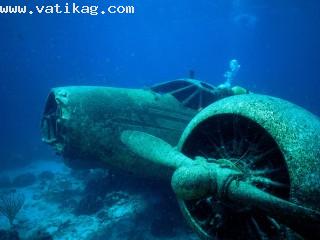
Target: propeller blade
(154,149)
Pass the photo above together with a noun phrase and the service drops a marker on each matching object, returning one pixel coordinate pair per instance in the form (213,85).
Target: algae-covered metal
(246,167)
(219,194)
(212,183)
(274,143)
(83,123)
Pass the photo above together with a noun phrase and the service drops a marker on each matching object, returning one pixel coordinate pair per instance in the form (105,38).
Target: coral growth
(10,205)
(95,205)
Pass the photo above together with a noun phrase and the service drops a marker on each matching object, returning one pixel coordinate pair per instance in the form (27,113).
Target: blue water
(276,43)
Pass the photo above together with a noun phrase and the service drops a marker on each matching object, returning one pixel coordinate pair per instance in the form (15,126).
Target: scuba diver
(225,89)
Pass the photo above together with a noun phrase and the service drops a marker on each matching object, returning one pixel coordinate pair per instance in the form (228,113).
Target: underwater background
(275,42)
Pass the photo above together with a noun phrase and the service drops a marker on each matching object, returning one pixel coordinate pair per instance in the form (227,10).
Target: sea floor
(61,203)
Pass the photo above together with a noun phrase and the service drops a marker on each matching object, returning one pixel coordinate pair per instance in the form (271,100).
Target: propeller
(193,179)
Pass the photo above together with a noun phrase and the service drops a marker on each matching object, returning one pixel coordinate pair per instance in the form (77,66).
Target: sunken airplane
(242,165)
